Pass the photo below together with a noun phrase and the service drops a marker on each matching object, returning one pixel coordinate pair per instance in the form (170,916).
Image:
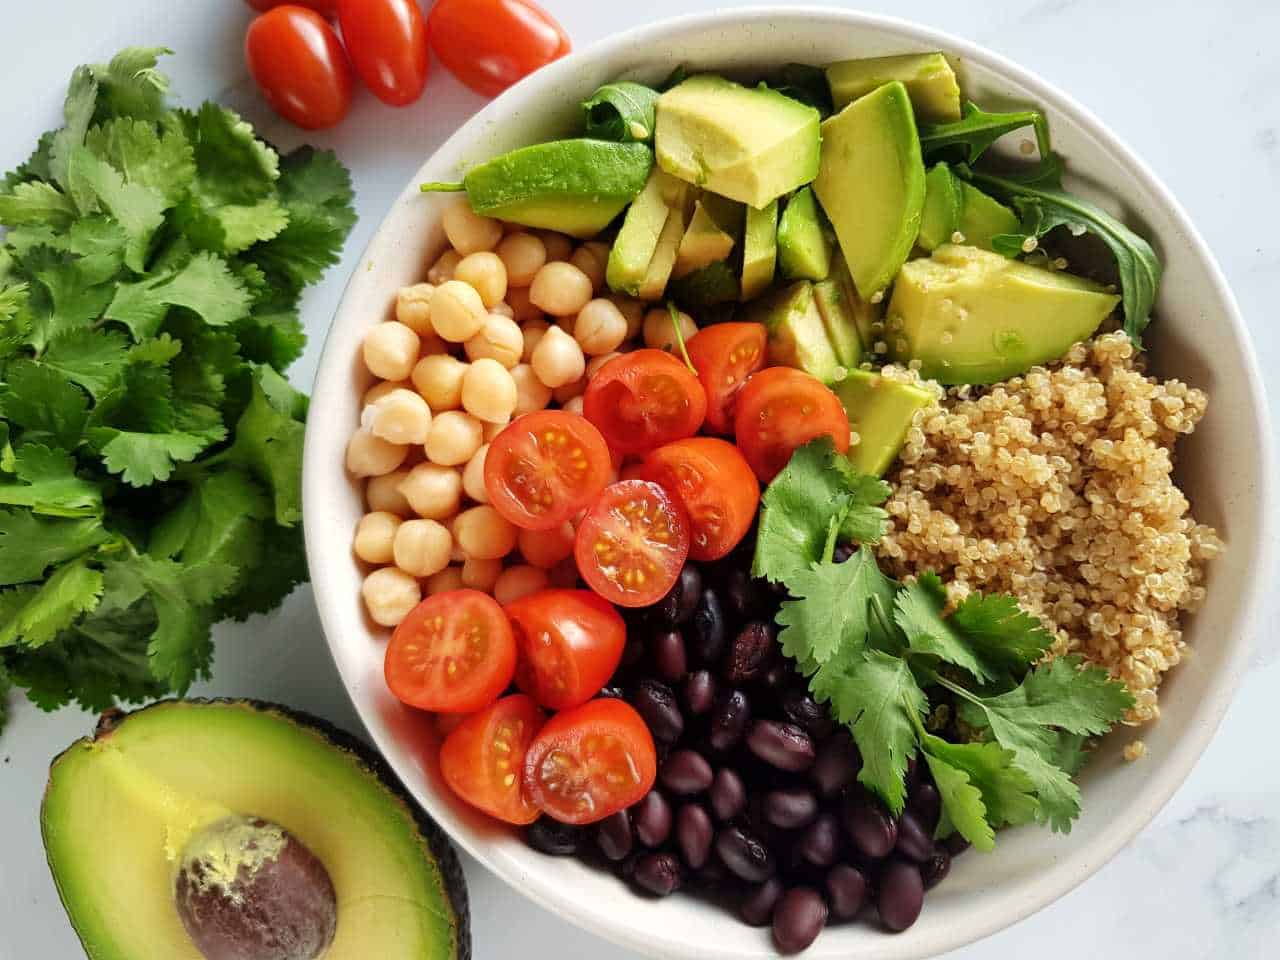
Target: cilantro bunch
(884,655)
(150,448)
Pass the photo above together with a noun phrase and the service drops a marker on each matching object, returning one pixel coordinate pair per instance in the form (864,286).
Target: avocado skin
(438,844)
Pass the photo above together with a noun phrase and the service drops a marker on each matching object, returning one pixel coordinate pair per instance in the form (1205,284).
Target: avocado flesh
(664,258)
(573,186)
(804,250)
(637,239)
(119,809)
(872,184)
(759,250)
(983,218)
(972,316)
(880,413)
(715,283)
(797,336)
(749,144)
(838,319)
(943,204)
(703,242)
(865,313)
(928,77)
(729,215)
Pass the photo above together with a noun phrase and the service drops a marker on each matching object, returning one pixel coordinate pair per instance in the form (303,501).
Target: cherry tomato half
(299,65)
(328,8)
(544,468)
(644,399)
(714,483)
(590,762)
(387,43)
(490,44)
(482,760)
(781,409)
(454,653)
(724,355)
(570,642)
(632,543)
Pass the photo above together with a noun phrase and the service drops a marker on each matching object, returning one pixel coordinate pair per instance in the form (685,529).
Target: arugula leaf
(623,111)
(47,483)
(977,130)
(805,83)
(29,545)
(72,589)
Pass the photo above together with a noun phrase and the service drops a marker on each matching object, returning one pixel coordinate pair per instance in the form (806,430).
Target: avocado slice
(928,77)
(839,321)
(972,316)
(865,313)
(664,258)
(574,186)
(120,808)
(750,144)
(797,336)
(982,217)
(804,249)
(759,250)
(943,205)
(880,412)
(729,215)
(704,242)
(871,184)
(637,239)
(714,284)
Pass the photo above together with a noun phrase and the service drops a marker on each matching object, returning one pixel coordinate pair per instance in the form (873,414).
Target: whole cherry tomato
(725,354)
(482,760)
(328,8)
(632,543)
(295,58)
(490,44)
(387,43)
(570,642)
(781,409)
(644,399)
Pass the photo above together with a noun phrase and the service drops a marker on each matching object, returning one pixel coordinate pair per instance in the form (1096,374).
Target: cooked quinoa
(1057,487)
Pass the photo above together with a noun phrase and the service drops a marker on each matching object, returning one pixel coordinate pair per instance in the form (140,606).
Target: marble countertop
(1194,88)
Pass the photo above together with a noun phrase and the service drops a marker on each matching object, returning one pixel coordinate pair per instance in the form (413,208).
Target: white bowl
(1226,468)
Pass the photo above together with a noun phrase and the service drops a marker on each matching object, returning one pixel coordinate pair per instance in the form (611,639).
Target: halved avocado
(123,809)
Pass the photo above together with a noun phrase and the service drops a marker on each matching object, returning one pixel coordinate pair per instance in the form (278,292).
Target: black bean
(553,837)
(843,552)
(708,628)
(935,869)
(956,844)
(914,841)
(776,675)
(869,825)
(699,692)
(802,710)
(783,745)
(694,834)
(657,706)
(744,854)
(613,836)
(728,794)
(680,601)
(686,772)
(798,919)
(901,895)
(669,656)
(820,842)
(729,719)
(632,653)
(847,889)
(713,873)
(658,873)
(790,807)
(652,819)
(756,908)
(836,765)
(751,653)
(926,802)
(741,596)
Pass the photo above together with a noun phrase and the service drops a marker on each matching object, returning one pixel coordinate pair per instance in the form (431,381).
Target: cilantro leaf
(977,130)
(219,521)
(264,587)
(131,86)
(47,483)
(95,184)
(981,787)
(64,299)
(161,160)
(44,403)
(94,359)
(77,114)
(37,202)
(273,337)
(269,443)
(205,285)
(235,167)
(72,589)
(29,545)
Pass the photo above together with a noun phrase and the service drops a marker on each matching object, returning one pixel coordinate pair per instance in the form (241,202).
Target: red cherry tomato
(295,58)
(780,409)
(454,653)
(328,8)
(724,355)
(590,762)
(644,399)
(714,483)
(387,43)
(570,642)
(544,468)
(490,44)
(632,543)
(482,760)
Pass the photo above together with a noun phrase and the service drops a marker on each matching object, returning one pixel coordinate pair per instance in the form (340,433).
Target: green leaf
(962,804)
(44,403)
(206,286)
(831,613)
(219,521)
(47,483)
(72,589)
(269,443)
(271,336)
(29,545)
(94,359)
(977,130)
(1006,793)
(264,587)
(37,202)
(77,114)
(131,86)
(100,245)
(161,160)
(621,111)
(95,184)
(805,83)
(64,299)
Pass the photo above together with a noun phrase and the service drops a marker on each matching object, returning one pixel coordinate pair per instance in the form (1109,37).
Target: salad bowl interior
(1224,468)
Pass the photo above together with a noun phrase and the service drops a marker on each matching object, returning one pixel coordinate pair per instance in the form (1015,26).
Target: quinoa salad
(767,494)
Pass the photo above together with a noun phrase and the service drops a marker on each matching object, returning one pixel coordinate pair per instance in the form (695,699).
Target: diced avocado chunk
(797,336)
(972,316)
(865,313)
(871,184)
(880,412)
(729,215)
(928,77)
(759,250)
(574,186)
(664,258)
(983,218)
(750,144)
(838,319)
(703,242)
(637,239)
(804,249)
(715,283)
(943,204)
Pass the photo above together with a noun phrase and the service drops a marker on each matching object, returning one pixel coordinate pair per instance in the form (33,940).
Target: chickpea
(523,255)
(502,310)
(533,332)
(380,390)
(486,272)
(598,363)
(659,333)
(454,438)
(546,548)
(633,311)
(500,339)
(439,379)
(488,392)
(561,289)
(484,533)
(557,245)
(383,495)
(457,312)
(375,534)
(600,328)
(591,260)
(432,491)
(413,307)
(523,310)
(518,581)
(370,456)
(443,268)
(450,578)
(473,476)
(422,547)
(531,393)
(558,359)
(402,416)
(566,392)
(574,405)
(480,574)
(467,230)
(389,594)
(391,350)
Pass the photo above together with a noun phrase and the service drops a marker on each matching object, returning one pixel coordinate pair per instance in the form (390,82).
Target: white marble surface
(1194,87)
